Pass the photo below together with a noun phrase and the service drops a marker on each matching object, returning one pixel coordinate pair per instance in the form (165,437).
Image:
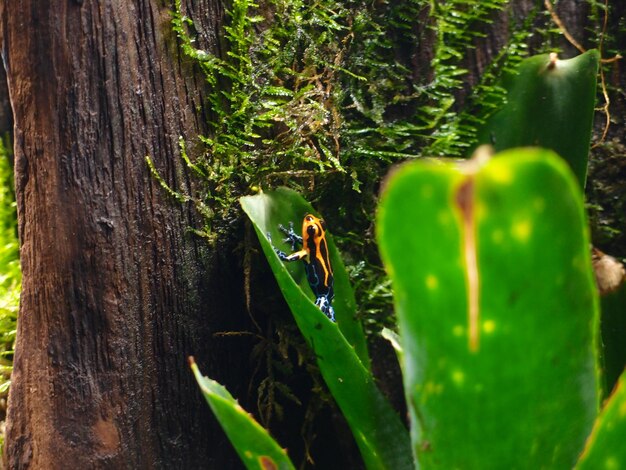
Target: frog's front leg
(298,255)
(292,237)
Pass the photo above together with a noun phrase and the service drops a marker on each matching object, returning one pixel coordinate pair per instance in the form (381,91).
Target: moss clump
(329,90)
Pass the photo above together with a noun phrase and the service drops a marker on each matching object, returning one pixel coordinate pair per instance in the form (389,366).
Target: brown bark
(6,116)
(115,295)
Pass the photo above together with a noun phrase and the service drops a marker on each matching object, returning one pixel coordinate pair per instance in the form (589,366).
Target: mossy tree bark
(115,294)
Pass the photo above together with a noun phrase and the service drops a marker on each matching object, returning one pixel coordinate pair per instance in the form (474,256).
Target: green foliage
(326,95)
(498,318)
(605,446)
(269,210)
(550,103)
(613,326)
(271,111)
(339,348)
(10,274)
(493,288)
(323,96)
(497,309)
(458,24)
(255,446)
(327,88)
(392,113)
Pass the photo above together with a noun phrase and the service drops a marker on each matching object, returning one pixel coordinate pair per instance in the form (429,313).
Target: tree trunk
(6,116)
(115,295)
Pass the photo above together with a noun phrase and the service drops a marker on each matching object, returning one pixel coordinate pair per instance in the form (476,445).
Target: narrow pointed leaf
(269,210)
(550,103)
(497,310)
(605,448)
(382,438)
(255,446)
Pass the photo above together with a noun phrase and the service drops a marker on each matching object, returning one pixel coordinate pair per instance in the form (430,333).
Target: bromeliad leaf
(605,447)
(268,211)
(339,347)
(497,309)
(550,103)
(255,446)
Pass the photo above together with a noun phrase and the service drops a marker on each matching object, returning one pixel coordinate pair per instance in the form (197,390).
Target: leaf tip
(553,60)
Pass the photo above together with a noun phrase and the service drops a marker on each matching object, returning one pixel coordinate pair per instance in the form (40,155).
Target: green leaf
(340,348)
(497,309)
(605,447)
(252,442)
(613,329)
(269,210)
(550,103)
(396,343)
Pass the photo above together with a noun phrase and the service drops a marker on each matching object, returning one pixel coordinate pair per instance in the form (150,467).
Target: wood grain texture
(115,294)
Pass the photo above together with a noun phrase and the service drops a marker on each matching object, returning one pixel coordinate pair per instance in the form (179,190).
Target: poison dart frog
(314,254)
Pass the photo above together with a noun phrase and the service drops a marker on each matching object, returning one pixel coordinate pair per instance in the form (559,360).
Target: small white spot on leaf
(611,463)
(432,282)
(458,377)
(521,230)
(500,173)
(489,326)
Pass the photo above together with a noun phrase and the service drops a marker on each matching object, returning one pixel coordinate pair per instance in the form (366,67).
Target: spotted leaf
(497,309)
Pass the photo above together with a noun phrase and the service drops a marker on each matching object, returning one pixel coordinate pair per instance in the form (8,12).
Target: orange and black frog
(314,254)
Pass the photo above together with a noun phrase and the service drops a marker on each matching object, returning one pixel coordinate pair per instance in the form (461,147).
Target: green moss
(10,274)
(312,89)
(324,96)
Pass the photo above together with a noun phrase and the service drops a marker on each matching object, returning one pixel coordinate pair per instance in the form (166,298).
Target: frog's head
(313,226)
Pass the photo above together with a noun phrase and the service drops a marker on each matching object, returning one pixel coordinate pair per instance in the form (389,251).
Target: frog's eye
(323,224)
(309,218)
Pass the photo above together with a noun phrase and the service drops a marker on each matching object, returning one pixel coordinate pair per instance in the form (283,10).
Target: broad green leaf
(605,447)
(252,442)
(550,103)
(340,348)
(497,309)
